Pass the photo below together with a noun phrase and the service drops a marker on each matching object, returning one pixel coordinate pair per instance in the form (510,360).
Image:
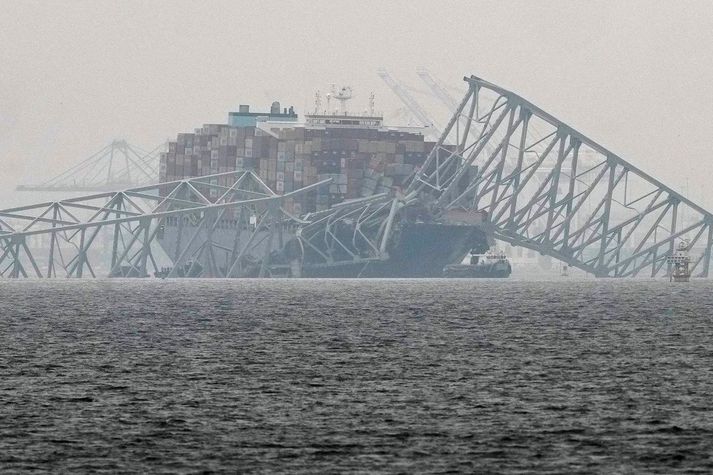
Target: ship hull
(467,271)
(421,250)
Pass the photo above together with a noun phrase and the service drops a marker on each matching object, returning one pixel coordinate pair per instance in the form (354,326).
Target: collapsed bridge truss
(70,231)
(539,183)
(547,187)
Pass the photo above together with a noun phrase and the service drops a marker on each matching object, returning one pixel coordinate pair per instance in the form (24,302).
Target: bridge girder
(541,184)
(135,218)
(589,208)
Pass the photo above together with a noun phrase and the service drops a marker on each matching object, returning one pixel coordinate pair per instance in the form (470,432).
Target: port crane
(438,90)
(409,101)
(117,165)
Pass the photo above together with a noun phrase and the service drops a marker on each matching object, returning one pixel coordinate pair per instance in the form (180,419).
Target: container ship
(361,156)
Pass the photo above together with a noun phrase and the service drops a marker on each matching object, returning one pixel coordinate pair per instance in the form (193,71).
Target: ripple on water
(324,376)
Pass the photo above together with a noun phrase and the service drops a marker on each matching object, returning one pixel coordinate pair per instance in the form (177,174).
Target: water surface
(344,375)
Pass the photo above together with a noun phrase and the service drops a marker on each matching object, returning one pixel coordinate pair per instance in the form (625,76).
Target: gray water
(342,376)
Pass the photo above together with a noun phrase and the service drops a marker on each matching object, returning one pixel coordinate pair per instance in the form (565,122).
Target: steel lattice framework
(539,183)
(71,229)
(354,232)
(548,187)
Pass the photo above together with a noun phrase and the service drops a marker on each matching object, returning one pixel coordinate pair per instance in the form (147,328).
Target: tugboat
(680,263)
(492,264)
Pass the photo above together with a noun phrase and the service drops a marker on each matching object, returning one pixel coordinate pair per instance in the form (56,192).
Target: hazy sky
(636,76)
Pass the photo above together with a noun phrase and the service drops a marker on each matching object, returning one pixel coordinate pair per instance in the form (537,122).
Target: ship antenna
(371,104)
(343,96)
(332,93)
(317,102)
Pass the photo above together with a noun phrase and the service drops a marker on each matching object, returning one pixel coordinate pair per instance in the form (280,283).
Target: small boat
(492,264)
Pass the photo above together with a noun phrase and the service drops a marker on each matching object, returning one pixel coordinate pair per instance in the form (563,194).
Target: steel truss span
(548,187)
(117,231)
(539,184)
(353,232)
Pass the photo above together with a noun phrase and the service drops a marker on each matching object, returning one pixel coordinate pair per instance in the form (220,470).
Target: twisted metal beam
(69,238)
(550,188)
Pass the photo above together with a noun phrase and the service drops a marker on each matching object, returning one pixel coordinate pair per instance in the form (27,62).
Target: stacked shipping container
(360,160)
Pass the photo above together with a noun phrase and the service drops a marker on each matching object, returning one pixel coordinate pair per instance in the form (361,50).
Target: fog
(635,76)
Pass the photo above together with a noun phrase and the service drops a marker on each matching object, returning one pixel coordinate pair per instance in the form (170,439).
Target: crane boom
(408,101)
(438,90)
